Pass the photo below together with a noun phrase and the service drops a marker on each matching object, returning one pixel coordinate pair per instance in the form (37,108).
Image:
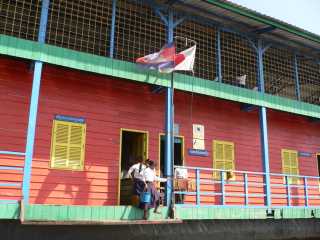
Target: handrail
(11,184)
(223,182)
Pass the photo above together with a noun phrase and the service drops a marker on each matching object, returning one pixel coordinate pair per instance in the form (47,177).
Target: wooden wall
(111,104)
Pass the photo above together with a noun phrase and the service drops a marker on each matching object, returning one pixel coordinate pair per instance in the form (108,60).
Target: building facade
(76,110)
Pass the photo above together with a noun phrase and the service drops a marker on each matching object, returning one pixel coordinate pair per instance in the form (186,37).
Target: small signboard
(198,152)
(305,154)
(69,118)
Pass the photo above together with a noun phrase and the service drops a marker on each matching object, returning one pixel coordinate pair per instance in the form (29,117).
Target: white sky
(301,13)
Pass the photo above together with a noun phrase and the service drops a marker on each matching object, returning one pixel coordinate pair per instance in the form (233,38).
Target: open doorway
(178,151)
(133,144)
(318,162)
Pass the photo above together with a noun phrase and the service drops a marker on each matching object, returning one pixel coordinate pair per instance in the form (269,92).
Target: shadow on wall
(73,187)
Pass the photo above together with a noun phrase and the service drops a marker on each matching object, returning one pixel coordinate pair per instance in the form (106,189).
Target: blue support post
(264,127)
(306,193)
(34,106)
(246,192)
(169,123)
(198,186)
(113,26)
(223,198)
(296,77)
(219,66)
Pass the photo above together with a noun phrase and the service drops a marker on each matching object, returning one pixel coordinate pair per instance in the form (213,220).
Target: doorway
(133,144)
(318,162)
(178,151)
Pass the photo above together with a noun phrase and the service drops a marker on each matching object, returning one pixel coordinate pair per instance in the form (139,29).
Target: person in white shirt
(136,173)
(150,179)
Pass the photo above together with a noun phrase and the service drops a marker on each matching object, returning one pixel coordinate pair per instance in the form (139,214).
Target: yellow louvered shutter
(223,153)
(290,164)
(68,145)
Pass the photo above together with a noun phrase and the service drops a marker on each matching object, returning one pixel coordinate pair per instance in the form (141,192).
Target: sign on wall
(198,137)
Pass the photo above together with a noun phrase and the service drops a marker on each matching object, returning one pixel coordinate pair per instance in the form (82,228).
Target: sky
(301,13)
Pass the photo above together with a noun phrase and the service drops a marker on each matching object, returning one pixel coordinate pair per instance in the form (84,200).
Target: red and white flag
(167,61)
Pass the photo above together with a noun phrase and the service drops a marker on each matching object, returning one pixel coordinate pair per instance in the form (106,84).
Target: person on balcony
(136,173)
(151,178)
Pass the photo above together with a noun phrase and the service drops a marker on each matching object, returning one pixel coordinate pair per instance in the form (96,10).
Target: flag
(167,61)
(163,61)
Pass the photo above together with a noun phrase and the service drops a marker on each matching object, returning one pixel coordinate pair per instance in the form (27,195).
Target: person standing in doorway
(136,173)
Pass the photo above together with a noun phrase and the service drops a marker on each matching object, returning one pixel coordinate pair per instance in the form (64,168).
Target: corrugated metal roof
(246,20)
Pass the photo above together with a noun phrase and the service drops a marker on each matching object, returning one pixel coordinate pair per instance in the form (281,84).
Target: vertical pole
(223,200)
(306,194)
(33,109)
(264,128)
(296,76)
(288,191)
(198,186)
(246,201)
(219,66)
(112,32)
(169,121)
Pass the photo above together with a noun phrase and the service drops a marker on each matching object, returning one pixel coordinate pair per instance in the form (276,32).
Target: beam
(264,30)
(33,109)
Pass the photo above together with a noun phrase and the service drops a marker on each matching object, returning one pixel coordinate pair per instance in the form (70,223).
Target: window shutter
(223,153)
(68,144)
(290,165)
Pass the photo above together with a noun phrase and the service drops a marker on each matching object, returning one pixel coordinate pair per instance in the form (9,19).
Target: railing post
(219,66)
(288,191)
(198,186)
(246,192)
(306,194)
(223,200)
(113,26)
(33,110)
(263,126)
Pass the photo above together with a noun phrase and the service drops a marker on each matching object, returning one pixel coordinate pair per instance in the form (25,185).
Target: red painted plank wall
(15,89)
(110,104)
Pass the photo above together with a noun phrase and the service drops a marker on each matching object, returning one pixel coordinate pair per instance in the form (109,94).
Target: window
(223,157)
(290,164)
(67,145)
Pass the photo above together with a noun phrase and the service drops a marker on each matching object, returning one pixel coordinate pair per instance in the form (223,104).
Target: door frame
(120,148)
(159,150)
(318,154)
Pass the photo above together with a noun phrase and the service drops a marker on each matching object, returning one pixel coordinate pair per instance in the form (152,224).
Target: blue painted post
(169,123)
(246,192)
(219,66)
(113,26)
(264,127)
(306,194)
(223,201)
(296,77)
(288,191)
(198,186)
(34,106)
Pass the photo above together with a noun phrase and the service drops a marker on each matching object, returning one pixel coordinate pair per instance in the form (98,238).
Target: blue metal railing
(227,187)
(11,184)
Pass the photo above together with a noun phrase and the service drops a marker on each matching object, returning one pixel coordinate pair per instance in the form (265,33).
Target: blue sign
(305,154)
(198,152)
(69,119)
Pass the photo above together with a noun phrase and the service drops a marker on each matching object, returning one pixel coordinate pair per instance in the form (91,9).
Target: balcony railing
(11,177)
(209,187)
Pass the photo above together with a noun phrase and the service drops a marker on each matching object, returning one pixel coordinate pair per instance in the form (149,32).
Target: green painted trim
(265,20)
(9,211)
(214,212)
(21,48)
(88,213)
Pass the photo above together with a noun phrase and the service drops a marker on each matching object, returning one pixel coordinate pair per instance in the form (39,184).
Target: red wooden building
(96,111)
